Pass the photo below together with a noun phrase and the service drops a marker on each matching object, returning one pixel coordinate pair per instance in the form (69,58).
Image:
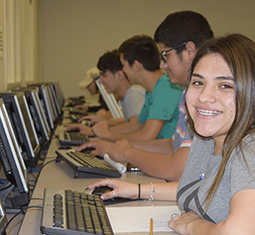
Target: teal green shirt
(163,104)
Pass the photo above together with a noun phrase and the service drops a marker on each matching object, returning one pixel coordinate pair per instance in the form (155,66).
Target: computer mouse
(87,150)
(74,130)
(64,147)
(101,190)
(104,189)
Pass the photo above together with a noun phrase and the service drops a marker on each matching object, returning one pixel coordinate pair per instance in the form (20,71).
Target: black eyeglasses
(164,53)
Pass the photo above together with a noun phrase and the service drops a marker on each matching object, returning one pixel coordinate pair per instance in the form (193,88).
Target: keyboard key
(83,213)
(91,165)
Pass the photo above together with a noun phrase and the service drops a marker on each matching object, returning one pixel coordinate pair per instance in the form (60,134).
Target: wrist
(92,134)
(127,154)
(145,191)
(106,135)
(193,224)
(149,192)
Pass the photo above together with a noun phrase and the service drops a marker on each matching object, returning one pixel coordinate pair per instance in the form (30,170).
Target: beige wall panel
(77,32)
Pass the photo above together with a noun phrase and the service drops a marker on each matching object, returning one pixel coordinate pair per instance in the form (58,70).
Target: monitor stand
(12,200)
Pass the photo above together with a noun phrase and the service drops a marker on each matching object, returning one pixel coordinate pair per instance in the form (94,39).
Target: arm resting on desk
(157,146)
(163,191)
(148,131)
(164,166)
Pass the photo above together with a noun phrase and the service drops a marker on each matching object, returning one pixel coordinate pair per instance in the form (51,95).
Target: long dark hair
(238,52)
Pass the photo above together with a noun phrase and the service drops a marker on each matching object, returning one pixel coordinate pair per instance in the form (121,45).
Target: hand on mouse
(121,189)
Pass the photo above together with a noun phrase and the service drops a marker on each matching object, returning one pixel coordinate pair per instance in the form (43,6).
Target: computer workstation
(72,138)
(24,133)
(60,175)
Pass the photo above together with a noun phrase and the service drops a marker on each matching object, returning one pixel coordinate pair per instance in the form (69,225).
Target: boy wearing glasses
(178,37)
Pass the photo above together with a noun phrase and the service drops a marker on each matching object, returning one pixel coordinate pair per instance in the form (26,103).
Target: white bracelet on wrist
(153,189)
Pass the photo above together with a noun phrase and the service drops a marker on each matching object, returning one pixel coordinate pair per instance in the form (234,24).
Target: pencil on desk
(151,226)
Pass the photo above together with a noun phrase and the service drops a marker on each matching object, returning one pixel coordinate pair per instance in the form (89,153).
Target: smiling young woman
(217,189)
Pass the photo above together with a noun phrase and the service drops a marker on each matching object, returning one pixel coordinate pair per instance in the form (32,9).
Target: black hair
(143,49)
(181,27)
(110,61)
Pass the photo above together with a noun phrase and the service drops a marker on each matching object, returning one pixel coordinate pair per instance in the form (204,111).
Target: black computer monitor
(15,189)
(23,125)
(55,96)
(55,99)
(39,104)
(40,122)
(3,219)
(45,102)
(52,104)
(59,93)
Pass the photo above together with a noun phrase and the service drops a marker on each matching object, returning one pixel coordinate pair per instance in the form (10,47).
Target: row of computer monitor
(28,117)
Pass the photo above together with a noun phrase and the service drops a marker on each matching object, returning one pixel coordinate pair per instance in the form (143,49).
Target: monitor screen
(11,159)
(52,104)
(22,122)
(27,120)
(110,101)
(35,102)
(38,116)
(54,99)
(42,112)
(45,102)
(59,93)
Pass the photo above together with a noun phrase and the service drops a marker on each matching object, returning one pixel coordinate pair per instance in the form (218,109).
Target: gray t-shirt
(192,190)
(133,101)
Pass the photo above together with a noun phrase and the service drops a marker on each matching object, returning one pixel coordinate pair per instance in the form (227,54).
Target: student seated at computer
(216,192)
(158,118)
(88,83)
(165,158)
(115,81)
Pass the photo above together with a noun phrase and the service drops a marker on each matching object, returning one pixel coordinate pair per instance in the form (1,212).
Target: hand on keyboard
(89,117)
(81,129)
(101,147)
